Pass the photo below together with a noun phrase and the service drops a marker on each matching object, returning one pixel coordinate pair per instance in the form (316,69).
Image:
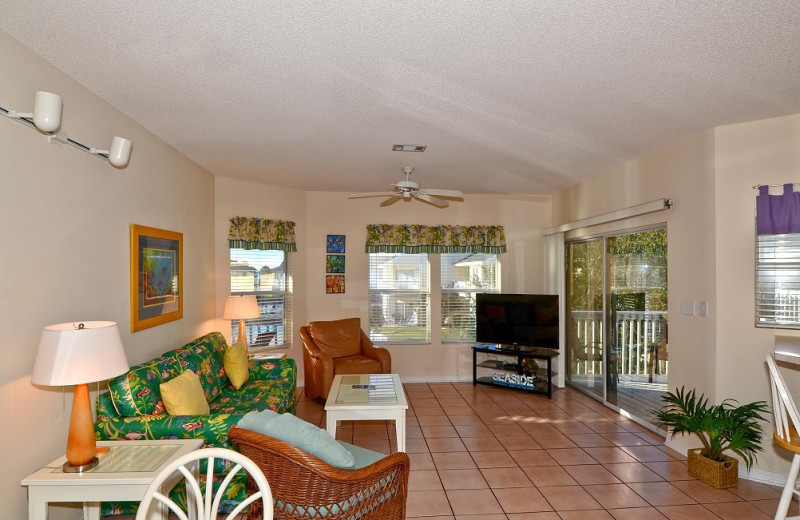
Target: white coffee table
(123,474)
(368,397)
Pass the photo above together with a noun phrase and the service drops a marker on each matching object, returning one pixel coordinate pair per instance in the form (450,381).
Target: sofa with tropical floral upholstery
(133,408)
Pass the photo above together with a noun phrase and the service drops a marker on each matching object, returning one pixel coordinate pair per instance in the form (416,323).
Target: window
(399,298)
(778,280)
(400,295)
(266,275)
(463,276)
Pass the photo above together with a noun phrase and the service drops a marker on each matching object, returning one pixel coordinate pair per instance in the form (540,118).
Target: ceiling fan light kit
(407,190)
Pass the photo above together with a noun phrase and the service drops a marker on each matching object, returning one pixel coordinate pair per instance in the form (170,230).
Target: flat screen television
(527,320)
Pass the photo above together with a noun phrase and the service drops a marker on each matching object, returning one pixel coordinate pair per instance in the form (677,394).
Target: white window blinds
(399,298)
(778,280)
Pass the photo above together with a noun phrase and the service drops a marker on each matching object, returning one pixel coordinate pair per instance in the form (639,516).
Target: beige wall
(318,214)
(65,221)
(66,217)
(332,213)
(711,252)
(683,172)
(760,152)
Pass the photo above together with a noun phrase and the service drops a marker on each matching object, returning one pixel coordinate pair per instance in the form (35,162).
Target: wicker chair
(304,486)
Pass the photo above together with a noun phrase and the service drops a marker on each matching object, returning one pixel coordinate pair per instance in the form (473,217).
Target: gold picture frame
(156,277)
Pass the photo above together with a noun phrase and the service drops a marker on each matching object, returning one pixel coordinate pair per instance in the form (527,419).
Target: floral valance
(401,238)
(262,233)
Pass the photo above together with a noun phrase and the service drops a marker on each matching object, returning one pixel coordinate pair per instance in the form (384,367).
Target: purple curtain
(777,214)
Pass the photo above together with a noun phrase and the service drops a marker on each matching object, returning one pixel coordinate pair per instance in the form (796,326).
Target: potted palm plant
(723,427)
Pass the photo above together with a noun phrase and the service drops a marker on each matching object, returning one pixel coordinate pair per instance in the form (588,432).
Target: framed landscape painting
(156,277)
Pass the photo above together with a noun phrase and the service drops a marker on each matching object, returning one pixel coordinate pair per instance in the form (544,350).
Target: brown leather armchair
(338,347)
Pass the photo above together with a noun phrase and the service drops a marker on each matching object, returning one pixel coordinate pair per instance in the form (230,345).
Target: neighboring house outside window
(464,275)
(399,298)
(464,260)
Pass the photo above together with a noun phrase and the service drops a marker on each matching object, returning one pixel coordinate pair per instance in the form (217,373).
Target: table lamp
(241,308)
(77,354)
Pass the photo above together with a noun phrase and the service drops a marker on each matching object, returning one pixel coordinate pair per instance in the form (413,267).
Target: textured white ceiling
(511,96)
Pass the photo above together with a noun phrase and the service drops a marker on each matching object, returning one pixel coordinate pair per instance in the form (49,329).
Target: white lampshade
(79,352)
(241,308)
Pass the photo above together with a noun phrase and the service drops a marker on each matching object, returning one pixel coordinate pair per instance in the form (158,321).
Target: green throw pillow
(297,432)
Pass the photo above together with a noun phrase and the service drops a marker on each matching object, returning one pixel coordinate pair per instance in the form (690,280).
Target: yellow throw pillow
(183,395)
(236,364)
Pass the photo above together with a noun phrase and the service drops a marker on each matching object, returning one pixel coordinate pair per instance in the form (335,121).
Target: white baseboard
(764,477)
(446,379)
(442,379)
(756,475)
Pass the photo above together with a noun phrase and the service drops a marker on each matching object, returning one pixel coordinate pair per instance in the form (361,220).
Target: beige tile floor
(498,454)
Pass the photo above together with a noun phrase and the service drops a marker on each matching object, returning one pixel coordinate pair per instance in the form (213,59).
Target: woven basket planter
(720,475)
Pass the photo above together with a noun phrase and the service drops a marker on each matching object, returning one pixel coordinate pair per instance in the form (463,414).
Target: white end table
(367,397)
(123,474)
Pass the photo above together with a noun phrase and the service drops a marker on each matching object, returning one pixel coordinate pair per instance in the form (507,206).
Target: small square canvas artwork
(335,244)
(334,284)
(334,263)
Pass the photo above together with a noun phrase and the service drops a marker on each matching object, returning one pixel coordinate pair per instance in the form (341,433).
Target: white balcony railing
(636,332)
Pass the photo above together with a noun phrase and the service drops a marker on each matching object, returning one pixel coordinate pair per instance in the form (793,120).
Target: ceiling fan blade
(373,194)
(443,193)
(391,200)
(431,200)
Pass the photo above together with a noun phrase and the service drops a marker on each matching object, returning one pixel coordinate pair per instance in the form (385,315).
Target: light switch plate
(688,308)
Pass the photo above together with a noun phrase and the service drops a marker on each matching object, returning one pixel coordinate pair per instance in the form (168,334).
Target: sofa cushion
(356,365)
(237,366)
(272,385)
(297,432)
(203,356)
(183,395)
(337,338)
(136,392)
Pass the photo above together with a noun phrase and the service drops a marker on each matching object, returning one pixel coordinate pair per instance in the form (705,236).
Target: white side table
(124,473)
(367,397)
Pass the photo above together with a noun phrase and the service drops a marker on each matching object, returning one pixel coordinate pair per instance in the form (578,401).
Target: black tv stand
(497,372)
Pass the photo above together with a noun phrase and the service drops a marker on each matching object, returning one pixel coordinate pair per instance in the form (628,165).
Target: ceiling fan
(407,189)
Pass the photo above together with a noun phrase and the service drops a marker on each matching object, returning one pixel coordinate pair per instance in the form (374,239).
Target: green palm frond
(720,427)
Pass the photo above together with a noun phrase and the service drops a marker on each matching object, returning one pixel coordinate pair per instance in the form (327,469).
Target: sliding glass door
(585,315)
(617,344)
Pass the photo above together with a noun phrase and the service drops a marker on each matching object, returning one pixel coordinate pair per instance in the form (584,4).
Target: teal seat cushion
(297,432)
(362,457)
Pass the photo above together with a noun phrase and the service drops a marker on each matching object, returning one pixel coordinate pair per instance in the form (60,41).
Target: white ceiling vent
(408,148)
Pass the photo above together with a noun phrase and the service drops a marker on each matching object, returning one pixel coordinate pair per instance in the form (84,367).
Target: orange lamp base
(243,334)
(81,445)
